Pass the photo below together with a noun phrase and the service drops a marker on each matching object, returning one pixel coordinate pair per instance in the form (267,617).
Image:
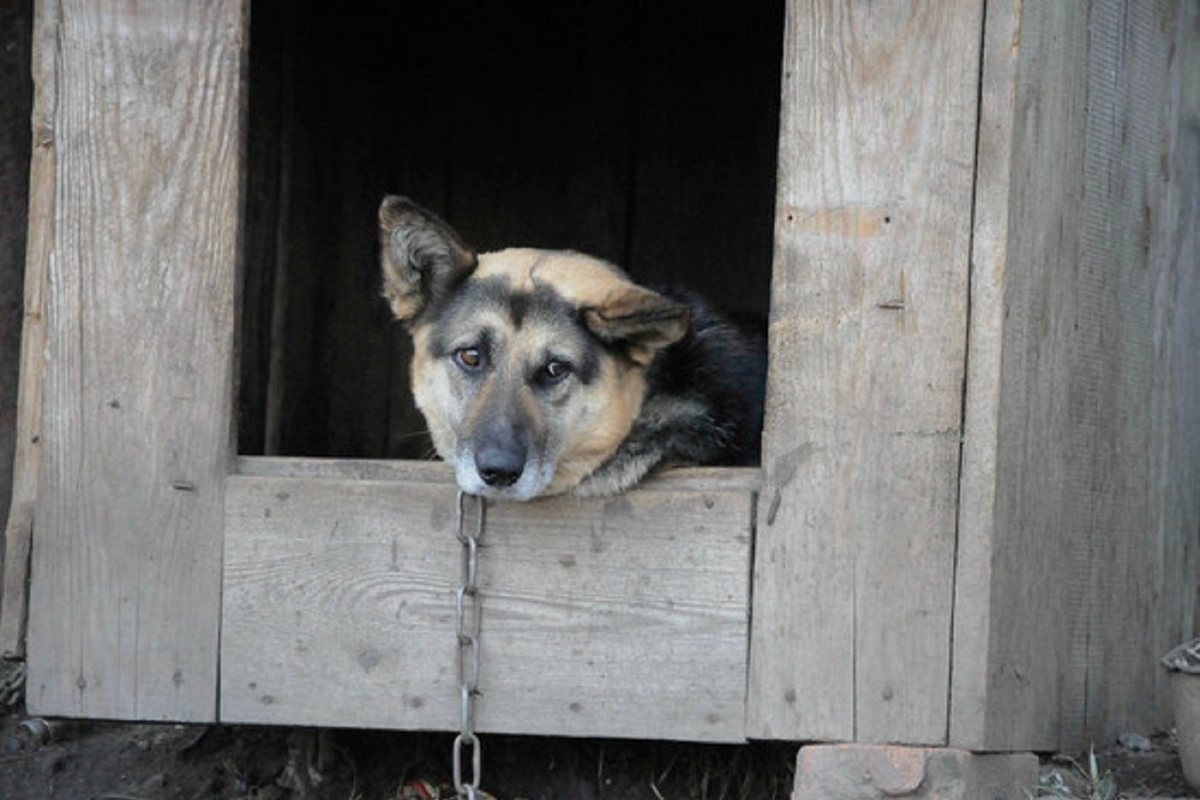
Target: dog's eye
(555,371)
(469,358)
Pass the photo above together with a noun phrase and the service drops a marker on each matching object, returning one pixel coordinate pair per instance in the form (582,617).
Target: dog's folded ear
(639,320)
(423,259)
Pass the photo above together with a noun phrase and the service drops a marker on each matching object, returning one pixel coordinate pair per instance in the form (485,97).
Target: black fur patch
(723,367)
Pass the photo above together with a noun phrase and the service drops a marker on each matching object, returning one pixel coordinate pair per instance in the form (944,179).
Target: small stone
(883,772)
(1135,742)
(154,784)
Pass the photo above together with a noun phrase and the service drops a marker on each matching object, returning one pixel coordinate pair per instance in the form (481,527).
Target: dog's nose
(499,468)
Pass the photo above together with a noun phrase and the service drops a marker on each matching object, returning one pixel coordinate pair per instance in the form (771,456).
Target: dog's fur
(541,372)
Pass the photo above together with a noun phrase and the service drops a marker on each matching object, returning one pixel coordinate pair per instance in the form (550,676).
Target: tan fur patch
(583,281)
(619,389)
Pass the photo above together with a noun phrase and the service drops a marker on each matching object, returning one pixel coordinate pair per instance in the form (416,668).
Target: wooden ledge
(745,479)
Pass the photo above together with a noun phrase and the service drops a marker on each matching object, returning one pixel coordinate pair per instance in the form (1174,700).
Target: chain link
(466,624)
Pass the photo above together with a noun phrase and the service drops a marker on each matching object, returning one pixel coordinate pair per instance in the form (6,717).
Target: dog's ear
(423,258)
(641,321)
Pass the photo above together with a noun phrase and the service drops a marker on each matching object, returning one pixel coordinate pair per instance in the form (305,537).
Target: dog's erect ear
(423,258)
(641,321)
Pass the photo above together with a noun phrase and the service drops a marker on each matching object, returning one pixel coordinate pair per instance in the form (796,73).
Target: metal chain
(466,623)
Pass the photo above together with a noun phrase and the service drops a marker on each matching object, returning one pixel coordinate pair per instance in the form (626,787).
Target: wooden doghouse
(975,522)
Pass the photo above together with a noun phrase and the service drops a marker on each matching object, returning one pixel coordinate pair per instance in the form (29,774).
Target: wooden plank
(1079,475)
(618,617)
(268,179)
(1032,557)
(1010,689)
(1177,385)
(742,479)
(18,532)
(1130,245)
(977,536)
(854,561)
(139,359)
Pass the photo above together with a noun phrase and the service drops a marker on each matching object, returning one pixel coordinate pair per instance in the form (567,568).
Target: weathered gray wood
(973,619)
(1127,356)
(18,533)
(854,561)
(1038,563)
(741,479)
(1176,505)
(146,143)
(619,617)
(1077,557)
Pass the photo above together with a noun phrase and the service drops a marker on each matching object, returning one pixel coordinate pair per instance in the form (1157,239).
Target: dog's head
(529,365)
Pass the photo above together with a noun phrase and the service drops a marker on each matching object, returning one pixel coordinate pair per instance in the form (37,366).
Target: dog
(544,372)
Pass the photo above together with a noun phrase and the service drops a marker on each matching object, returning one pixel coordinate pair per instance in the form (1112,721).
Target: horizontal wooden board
(625,616)
(721,478)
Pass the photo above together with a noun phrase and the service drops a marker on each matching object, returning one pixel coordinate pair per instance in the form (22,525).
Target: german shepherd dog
(541,372)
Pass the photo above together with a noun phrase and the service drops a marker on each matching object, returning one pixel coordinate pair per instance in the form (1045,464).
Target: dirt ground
(160,762)
(122,761)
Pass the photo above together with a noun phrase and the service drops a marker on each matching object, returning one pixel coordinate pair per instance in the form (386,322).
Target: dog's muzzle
(502,463)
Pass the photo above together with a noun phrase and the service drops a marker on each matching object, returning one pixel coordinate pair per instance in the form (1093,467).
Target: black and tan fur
(541,372)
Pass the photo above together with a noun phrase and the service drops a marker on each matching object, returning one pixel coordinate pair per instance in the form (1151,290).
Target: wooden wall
(622,129)
(1080,507)
(978,519)
(980,510)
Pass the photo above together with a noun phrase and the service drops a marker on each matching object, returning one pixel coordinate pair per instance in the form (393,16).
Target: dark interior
(644,133)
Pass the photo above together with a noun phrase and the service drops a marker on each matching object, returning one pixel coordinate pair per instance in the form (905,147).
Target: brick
(883,772)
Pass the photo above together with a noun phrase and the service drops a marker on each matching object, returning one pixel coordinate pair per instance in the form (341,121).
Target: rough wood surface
(679,478)
(1077,557)
(973,619)
(146,181)
(854,561)
(18,533)
(619,617)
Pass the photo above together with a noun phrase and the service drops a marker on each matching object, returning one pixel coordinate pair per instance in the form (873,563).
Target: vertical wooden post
(18,534)
(856,535)
(147,170)
(1077,550)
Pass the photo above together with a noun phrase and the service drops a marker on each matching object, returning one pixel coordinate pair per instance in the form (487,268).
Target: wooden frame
(956,461)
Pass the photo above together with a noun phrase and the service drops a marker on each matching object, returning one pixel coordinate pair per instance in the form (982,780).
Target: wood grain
(977,538)
(678,478)
(1077,556)
(619,617)
(854,561)
(139,358)
(18,532)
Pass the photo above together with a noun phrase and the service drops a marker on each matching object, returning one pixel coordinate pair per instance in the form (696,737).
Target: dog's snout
(500,467)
